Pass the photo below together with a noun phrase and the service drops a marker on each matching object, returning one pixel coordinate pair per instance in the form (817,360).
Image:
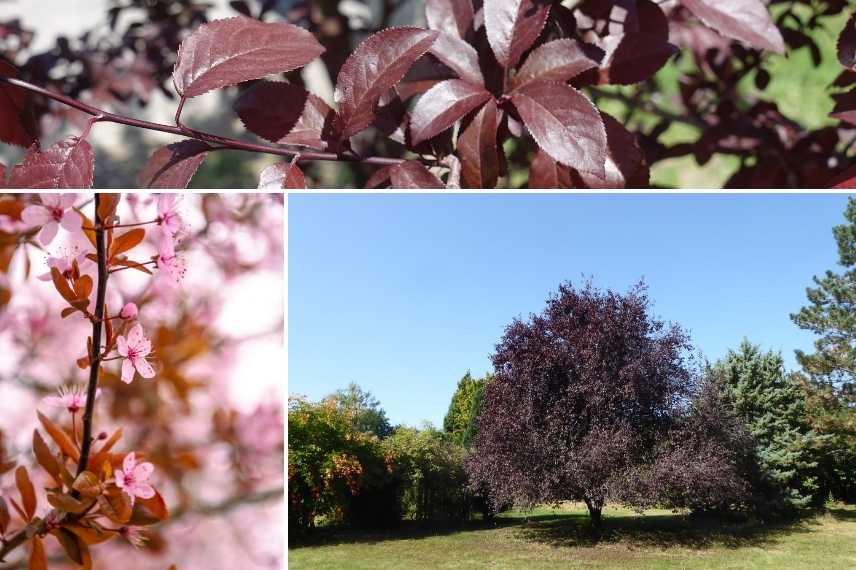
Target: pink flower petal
(52,200)
(48,232)
(71,221)
(122,345)
(129,462)
(143,470)
(36,215)
(119,476)
(144,491)
(127,371)
(67,200)
(143,367)
(135,336)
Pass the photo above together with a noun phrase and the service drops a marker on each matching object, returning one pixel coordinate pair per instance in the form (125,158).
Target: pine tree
(832,315)
(772,404)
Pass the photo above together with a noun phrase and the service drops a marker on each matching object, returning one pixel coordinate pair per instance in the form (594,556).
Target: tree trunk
(595,508)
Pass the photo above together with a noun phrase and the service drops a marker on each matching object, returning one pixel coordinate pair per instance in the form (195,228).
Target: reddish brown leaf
(172,166)
(44,456)
(564,123)
(90,535)
(280,176)
(746,20)
(107,204)
(513,26)
(413,174)
(477,149)
(70,544)
(544,172)
(67,164)
(5,516)
(633,57)
(459,56)
(559,60)
(17,123)
(442,105)
(647,17)
(450,16)
(61,285)
(234,50)
(60,437)
(127,241)
(847,44)
(38,560)
(28,492)
(156,506)
(375,67)
(284,113)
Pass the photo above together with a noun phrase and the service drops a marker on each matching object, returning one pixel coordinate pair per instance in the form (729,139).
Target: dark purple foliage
(589,402)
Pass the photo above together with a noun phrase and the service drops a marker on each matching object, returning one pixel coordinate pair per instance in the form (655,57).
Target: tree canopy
(582,395)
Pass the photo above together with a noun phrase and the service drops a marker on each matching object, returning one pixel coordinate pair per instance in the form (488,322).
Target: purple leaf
(844,181)
(451,16)
(626,166)
(559,60)
(459,56)
(412,174)
(513,26)
(285,113)
(17,123)
(477,148)
(847,44)
(746,20)
(564,123)
(281,176)
(173,165)
(544,172)
(373,69)
(238,49)
(845,106)
(70,163)
(633,57)
(380,178)
(442,105)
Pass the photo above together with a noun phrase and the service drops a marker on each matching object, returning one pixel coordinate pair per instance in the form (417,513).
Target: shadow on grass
(841,514)
(660,531)
(406,530)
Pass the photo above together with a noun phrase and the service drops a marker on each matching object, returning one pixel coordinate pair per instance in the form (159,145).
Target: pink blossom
(132,477)
(129,311)
(64,262)
(134,350)
(168,262)
(71,398)
(54,211)
(168,217)
(134,535)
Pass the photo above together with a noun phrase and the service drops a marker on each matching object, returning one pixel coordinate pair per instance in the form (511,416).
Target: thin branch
(95,356)
(220,143)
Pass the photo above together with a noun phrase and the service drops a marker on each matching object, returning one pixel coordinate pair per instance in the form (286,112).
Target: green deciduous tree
(772,403)
(367,416)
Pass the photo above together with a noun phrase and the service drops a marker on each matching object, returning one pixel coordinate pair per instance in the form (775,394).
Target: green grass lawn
(560,538)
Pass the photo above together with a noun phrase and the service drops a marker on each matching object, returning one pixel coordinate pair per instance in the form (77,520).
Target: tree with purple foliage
(591,400)
(582,392)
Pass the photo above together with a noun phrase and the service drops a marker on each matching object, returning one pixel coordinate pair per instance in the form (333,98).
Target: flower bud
(129,311)
(102,435)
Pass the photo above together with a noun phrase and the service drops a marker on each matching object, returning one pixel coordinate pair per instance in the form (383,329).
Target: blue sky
(403,293)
